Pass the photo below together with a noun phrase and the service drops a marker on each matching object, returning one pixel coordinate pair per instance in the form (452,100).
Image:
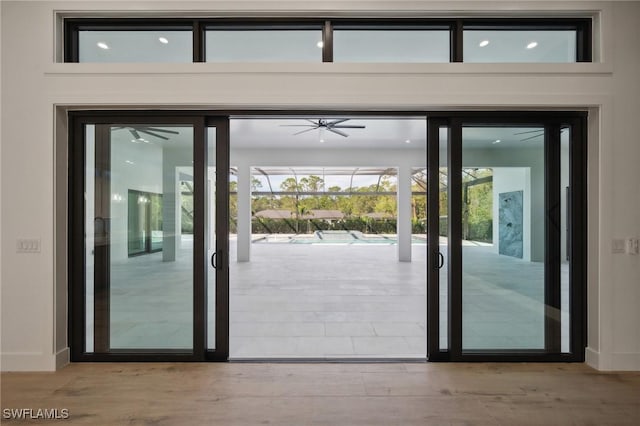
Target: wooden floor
(329,394)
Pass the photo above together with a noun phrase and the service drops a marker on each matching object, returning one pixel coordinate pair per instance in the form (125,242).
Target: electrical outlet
(618,246)
(31,245)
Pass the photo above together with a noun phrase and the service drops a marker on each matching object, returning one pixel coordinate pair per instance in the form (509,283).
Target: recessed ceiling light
(321,140)
(163,40)
(496,141)
(532,45)
(407,141)
(129,162)
(484,43)
(320,44)
(102,45)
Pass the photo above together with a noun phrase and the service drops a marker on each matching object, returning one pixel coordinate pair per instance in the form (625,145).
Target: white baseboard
(27,361)
(62,358)
(592,358)
(621,361)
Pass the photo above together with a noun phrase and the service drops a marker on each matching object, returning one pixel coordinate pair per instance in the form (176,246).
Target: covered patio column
(403,225)
(244,213)
(171,204)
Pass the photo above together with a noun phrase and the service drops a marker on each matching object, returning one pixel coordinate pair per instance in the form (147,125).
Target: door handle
(440,260)
(215,258)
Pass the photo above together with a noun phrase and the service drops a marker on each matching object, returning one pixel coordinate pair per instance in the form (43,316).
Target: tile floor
(330,301)
(322,300)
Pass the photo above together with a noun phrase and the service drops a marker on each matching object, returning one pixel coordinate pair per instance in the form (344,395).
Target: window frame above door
(455,25)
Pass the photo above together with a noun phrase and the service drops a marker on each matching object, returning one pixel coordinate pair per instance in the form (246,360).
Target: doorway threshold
(330,360)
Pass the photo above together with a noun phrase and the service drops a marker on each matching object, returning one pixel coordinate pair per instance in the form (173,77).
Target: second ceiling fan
(329,125)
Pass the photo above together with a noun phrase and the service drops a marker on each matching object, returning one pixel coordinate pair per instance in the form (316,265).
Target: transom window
(306,41)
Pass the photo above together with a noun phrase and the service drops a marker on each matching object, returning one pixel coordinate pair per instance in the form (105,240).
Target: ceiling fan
(536,134)
(147,130)
(329,125)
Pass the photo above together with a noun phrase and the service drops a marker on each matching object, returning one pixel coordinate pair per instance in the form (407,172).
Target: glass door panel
(150,210)
(503,238)
(443,241)
(565,236)
(143,217)
(211,237)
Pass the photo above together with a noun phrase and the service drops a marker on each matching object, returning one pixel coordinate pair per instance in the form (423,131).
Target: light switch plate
(28,245)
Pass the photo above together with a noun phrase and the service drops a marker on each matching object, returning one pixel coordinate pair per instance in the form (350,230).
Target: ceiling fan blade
(530,131)
(298,125)
(155,129)
(134,133)
(334,122)
(348,126)
(531,137)
(154,134)
(338,132)
(304,131)
(315,123)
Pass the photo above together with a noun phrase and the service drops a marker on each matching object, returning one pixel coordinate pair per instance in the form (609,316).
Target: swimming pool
(334,237)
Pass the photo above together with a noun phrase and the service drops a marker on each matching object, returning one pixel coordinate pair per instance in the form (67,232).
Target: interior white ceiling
(379,133)
(279,133)
(509,137)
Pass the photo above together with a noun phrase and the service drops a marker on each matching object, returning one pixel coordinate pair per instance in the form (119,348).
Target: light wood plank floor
(329,394)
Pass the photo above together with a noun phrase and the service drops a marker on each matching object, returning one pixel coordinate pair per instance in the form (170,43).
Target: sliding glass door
(505,251)
(513,237)
(143,216)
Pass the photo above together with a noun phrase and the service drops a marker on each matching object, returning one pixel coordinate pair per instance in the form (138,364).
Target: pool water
(335,237)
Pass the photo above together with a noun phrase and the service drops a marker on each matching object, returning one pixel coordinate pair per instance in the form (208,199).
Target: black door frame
(221,124)
(553,122)
(77,301)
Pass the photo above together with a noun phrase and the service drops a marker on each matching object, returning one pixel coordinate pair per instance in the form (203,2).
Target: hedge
(305,226)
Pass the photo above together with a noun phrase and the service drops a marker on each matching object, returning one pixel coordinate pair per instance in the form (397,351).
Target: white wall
(533,160)
(508,179)
(145,174)
(33,287)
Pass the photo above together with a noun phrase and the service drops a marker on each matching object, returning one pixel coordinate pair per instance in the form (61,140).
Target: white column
(171,207)
(244,213)
(404,213)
